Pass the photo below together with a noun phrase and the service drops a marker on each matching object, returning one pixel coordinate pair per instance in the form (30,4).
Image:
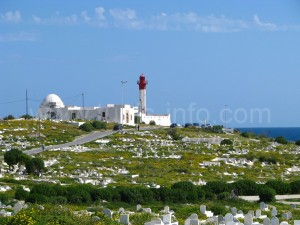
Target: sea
(289,133)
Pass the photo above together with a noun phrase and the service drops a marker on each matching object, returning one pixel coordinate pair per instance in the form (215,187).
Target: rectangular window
(103,114)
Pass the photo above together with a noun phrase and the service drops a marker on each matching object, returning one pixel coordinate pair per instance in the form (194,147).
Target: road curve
(78,141)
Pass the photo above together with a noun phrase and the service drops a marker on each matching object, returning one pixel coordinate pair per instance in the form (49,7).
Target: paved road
(278,197)
(78,141)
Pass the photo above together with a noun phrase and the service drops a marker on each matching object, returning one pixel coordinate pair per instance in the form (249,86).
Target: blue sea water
(290,133)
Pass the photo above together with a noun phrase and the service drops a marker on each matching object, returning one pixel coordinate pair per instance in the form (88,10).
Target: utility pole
(83,106)
(225,106)
(26,104)
(122,106)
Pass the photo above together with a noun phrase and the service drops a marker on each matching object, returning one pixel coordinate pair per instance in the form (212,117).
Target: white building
(52,107)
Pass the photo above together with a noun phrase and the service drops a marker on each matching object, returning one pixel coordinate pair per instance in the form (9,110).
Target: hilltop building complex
(53,108)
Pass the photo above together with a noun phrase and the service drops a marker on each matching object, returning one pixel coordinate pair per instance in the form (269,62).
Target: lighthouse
(142,91)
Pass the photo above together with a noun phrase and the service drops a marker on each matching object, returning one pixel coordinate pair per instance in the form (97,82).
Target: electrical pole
(225,118)
(26,105)
(83,106)
(122,106)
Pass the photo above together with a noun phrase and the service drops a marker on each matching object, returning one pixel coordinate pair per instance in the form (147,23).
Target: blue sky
(198,56)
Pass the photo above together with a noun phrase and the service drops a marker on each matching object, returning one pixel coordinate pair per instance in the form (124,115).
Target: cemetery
(107,180)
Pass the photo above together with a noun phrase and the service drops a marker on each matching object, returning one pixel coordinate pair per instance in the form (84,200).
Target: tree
(99,125)
(87,127)
(12,157)
(226,142)
(279,186)
(152,122)
(297,142)
(281,140)
(266,194)
(9,117)
(26,117)
(21,194)
(38,165)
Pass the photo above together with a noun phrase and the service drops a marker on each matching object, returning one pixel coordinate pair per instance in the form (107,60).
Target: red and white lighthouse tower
(142,91)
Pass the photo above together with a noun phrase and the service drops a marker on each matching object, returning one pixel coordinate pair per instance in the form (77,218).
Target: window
(103,114)
(73,116)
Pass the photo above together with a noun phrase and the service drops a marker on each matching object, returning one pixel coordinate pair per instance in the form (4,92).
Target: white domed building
(53,108)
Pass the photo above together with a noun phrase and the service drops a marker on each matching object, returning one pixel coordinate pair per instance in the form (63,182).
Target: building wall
(109,113)
(161,120)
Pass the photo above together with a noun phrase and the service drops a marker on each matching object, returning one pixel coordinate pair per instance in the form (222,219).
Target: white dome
(52,101)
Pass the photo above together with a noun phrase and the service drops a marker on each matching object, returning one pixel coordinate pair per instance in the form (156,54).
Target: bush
(266,194)
(280,187)
(226,142)
(152,122)
(21,194)
(218,209)
(297,142)
(281,140)
(9,117)
(246,187)
(295,187)
(99,125)
(87,127)
(224,196)
(216,187)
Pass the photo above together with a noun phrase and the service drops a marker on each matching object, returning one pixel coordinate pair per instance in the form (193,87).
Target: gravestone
(274,212)
(202,209)
(289,214)
(228,218)
(121,210)
(296,222)
(96,219)
(248,219)
(17,207)
(167,218)
(2,212)
(274,221)
(234,211)
(240,212)
(124,219)
(108,213)
(293,206)
(40,207)
(284,223)
(148,210)
(167,209)
(221,219)
(263,206)
(258,213)
(251,212)
(267,221)
(193,219)
(138,207)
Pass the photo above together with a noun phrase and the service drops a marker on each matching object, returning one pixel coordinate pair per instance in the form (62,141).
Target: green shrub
(87,127)
(226,142)
(218,209)
(297,142)
(295,187)
(152,122)
(21,194)
(279,186)
(266,194)
(224,196)
(281,140)
(99,125)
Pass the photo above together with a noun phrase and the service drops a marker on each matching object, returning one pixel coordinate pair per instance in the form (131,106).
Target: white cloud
(85,16)
(100,13)
(22,36)
(193,21)
(265,26)
(126,18)
(56,19)
(12,17)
